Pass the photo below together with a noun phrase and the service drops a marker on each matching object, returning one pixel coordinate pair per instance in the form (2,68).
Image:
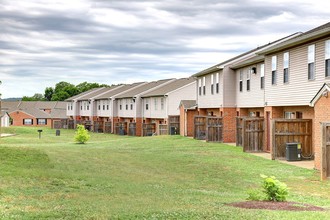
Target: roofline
(318,95)
(243,55)
(114,89)
(297,41)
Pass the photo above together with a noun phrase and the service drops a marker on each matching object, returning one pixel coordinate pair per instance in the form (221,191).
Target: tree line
(62,91)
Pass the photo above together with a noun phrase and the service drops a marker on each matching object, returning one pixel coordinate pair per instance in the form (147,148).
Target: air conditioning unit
(293,151)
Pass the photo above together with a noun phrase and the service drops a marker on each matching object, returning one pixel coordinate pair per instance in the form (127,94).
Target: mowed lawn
(161,177)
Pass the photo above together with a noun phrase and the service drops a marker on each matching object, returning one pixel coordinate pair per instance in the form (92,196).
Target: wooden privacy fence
(71,124)
(200,127)
(253,134)
(61,123)
(149,129)
(239,131)
(250,133)
(214,129)
(121,128)
(208,128)
(163,129)
(174,124)
(98,126)
(132,129)
(325,151)
(290,131)
(107,127)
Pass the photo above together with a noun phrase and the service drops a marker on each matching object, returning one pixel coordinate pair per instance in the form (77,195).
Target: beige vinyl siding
(155,112)
(208,100)
(101,112)
(184,93)
(228,88)
(254,97)
(126,113)
(299,90)
(70,105)
(84,111)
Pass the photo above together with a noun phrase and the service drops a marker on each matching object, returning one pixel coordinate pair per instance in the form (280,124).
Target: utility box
(293,151)
(58,132)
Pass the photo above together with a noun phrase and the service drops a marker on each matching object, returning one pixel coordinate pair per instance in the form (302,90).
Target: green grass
(118,177)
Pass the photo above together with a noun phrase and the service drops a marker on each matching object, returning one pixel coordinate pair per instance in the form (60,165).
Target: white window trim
(274,63)
(311,53)
(286,58)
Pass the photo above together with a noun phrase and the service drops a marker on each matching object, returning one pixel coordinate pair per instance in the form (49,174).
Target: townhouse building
(218,93)
(128,118)
(296,72)
(105,108)
(160,106)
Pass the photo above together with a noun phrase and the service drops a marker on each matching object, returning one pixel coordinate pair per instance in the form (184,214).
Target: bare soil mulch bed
(289,206)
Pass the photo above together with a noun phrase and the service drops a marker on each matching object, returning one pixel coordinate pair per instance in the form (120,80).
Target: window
(87,107)
(248,76)
(327,58)
(212,86)
(288,115)
(81,107)
(120,105)
(147,104)
(274,65)
(241,81)
(217,83)
(286,67)
(68,106)
(41,121)
(299,115)
(27,121)
(200,86)
(71,106)
(107,107)
(103,107)
(99,107)
(162,103)
(204,88)
(126,106)
(156,103)
(311,60)
(262,76)
(131,106)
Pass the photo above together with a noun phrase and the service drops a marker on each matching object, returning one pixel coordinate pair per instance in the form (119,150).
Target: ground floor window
(289,115)
(27,121)
(41,121)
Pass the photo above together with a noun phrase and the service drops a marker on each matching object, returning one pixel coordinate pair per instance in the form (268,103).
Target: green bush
(275,190)
(81,135)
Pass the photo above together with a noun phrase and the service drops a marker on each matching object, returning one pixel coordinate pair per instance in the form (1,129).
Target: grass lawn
(161,177)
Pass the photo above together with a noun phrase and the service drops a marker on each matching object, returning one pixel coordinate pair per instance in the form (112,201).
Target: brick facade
(19,116)
(322,114)
(229,124)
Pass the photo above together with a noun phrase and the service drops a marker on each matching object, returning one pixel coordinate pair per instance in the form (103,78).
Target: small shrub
(255,195)
(275,190)
(82,135)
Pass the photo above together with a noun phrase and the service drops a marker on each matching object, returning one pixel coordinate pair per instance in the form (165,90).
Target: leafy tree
(49,91)
(35,97)
(85,86)
(81,135)
(64,90)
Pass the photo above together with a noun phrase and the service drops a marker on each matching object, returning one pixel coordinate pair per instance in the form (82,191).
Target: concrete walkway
(307,164)
(7,135)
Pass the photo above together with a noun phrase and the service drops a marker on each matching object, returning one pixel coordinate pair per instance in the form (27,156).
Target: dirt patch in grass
(290,206)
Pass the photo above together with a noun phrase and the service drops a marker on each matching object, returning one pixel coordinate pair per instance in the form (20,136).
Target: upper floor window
(286,67)
(126,106)
(274,67)
(212,86)
(262,76)
(327,58)
(200,86)
(204,88)
(217,83)
(156,103)
(241,81)
(162,103)
(147,104)
(99,107)
(68,106)
(248,77)
(311,62)
(107,107)
(87,107)
(131,106)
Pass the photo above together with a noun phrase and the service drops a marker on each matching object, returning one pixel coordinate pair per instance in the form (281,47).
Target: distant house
(5,119)
(35,113)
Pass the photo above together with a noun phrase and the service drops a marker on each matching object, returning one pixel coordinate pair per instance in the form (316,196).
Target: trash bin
(293,151)
(58,132)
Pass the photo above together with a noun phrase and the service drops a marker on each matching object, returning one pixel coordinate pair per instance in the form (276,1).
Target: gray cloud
(44,42)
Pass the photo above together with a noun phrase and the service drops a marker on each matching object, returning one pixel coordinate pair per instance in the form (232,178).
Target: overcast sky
(43,42)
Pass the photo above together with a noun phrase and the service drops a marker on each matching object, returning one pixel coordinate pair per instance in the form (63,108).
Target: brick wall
(229,124)
(190,122)
(139,122)
(19,116)
(322,114)
(183,121)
